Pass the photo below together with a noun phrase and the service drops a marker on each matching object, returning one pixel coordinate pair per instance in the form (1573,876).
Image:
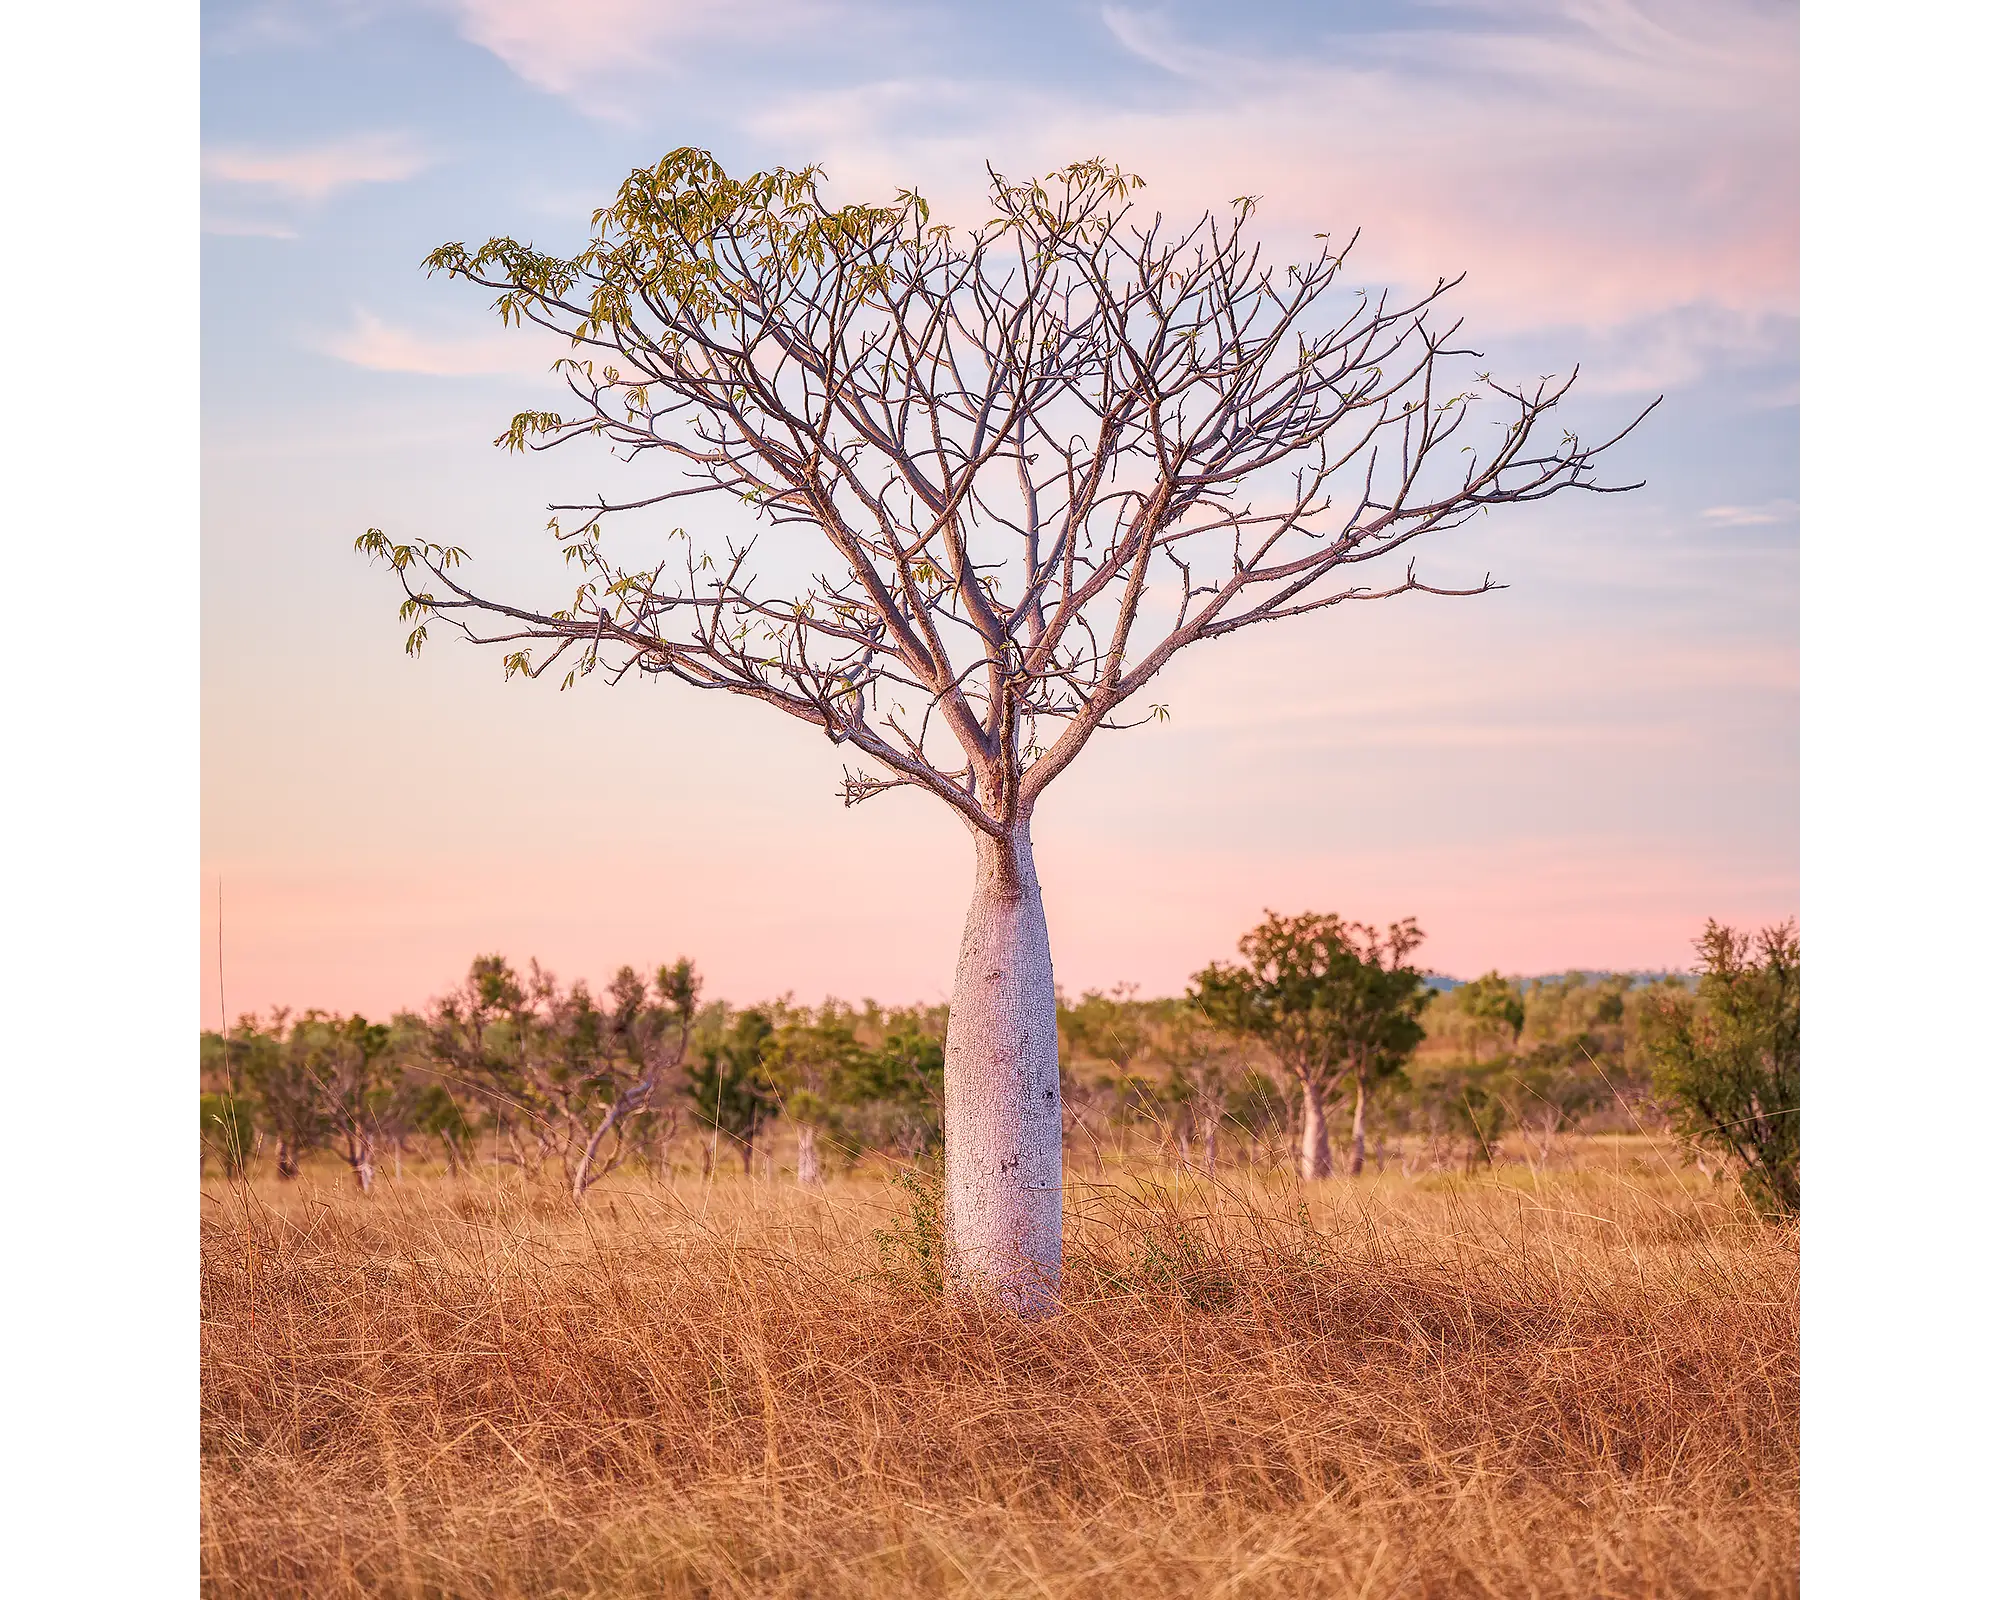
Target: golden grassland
(1508,1384)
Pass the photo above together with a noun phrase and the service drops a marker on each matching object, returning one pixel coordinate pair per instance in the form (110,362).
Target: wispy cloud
(313,172)
(591,50)
(1759,516)
(1586,163)
(381,346)
(286,24)
(246,227)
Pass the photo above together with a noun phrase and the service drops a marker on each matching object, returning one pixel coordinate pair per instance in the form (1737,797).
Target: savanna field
(1516,1381)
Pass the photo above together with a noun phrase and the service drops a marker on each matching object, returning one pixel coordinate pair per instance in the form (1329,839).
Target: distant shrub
(1726,1059)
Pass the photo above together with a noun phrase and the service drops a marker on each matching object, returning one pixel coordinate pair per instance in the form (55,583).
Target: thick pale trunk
(1360,1126)
(364,1165)
(1315,1156)
(808,1155)
(1002,1090)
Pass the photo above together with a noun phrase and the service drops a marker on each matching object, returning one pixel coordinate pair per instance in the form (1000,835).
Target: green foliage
(1173,1258)
(526,1069)
(560,1072)
(1461,1101)
(1109,1028)
(1326,997)
(912,1249)
(1726,1060)
(726,1086)
(435,1111)
(809,1061)
(892,1097)
(1494,1003)
(283,1088)
(1259,1104)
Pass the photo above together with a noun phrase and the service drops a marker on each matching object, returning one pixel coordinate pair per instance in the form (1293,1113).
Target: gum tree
(1335,1002)
(1381,1017)
(982,486)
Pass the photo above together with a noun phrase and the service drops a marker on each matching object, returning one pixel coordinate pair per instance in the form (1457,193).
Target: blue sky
(1573,771)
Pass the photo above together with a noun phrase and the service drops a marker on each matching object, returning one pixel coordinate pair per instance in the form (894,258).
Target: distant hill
(1443,984)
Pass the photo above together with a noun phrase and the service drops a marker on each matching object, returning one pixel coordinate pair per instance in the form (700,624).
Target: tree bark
(1315,1156)
(808,1154)
(288,1161)
(1002,1089)
(1208,1145)
(1360,1155)
(621,1106)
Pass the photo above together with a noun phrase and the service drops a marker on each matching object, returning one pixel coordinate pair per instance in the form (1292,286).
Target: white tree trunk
(1360,1156)
(1315,1158)
(808,1154)
(1002,1089)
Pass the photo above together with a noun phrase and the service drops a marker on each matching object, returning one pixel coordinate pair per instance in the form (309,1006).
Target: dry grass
(1578,1387)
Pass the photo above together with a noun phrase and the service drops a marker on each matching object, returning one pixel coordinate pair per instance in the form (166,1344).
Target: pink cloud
(1599,166)
(383,347)
(313,172)
(589,50)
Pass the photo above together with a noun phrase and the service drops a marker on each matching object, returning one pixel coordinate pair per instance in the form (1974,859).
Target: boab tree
(1016,470)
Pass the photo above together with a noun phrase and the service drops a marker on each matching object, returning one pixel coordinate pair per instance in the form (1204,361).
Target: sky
(1574,771)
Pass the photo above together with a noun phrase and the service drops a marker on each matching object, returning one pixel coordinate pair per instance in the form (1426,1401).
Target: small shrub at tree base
(913,1249)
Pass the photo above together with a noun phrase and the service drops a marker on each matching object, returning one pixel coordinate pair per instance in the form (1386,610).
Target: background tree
(563,1074)
(1043,456)
(283,1088)
(1726,1060)
(1379,1011)
(643,1039)
(727,1087)
(1296,993)
(893,1095)
(807,1064)
(349,1060)
(1203,1063)
(1109,1029)
(476,1041)
(1494,1005)
(436,1112)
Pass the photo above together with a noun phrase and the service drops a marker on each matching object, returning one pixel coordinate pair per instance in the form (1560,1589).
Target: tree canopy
(1038,456)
